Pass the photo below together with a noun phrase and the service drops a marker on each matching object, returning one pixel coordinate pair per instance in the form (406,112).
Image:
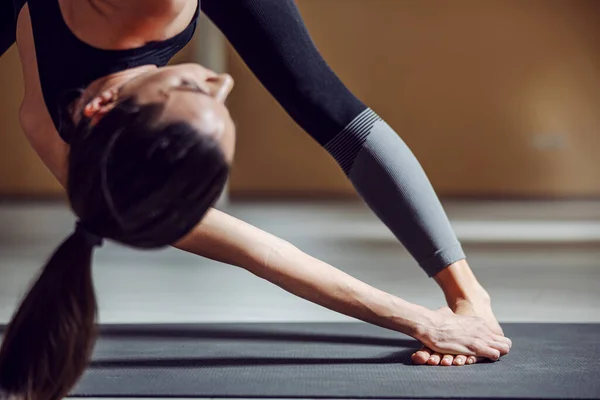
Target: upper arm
(45,141)
(34,118)
(224,238)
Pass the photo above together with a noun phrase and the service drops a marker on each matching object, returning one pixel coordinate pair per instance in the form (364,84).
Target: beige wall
(496,97)
(470,85)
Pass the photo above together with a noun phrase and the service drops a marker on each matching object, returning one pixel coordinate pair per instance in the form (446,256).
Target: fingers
(504,340)
(499,344)
(502,347)
(484,348)
(493,347)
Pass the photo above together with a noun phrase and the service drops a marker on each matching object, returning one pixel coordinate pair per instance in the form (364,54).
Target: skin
(189,91)
(453,335)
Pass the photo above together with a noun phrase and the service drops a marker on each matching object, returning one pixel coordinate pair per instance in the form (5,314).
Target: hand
(469,336)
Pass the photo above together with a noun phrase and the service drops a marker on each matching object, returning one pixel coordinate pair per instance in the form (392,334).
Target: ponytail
(49,341)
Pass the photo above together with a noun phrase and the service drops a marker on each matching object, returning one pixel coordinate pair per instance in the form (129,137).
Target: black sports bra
(66,64)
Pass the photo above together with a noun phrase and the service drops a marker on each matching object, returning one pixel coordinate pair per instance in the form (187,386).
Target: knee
(348,143)
(322,108)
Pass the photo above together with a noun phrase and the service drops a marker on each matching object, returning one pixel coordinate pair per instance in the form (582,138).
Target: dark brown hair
(132,179)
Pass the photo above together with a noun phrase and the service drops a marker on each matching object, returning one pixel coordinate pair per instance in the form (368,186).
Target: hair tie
(91,238)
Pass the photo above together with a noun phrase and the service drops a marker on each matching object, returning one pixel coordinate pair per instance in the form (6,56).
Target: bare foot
(478,308)
(429,357)
(465,296)
(481,308)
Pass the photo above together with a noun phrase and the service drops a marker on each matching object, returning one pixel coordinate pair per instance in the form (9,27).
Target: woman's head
(187,93)
(149,157)
(146,162)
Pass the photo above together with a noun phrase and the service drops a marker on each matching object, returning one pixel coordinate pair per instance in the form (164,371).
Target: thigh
(274,42)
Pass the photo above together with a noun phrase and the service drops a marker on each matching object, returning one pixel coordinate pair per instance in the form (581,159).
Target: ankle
(459,284)
(481,299)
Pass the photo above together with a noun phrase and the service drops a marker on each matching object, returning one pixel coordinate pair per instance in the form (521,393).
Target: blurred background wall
(497,98)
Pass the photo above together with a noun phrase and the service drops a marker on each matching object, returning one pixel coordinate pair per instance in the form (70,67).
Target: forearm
(225,239)
(318,282)
(45,141)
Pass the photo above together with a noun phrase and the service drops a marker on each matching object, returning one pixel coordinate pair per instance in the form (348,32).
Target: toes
(435,359)
(422,356)
(460,360)
(419,358)
(447,360)
(471,360)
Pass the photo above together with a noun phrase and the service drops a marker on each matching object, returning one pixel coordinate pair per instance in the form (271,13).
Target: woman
(143,151)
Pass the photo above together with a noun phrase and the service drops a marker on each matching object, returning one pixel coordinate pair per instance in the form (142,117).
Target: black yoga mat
(336,360)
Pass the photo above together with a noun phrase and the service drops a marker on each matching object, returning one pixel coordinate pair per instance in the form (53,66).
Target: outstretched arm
(226,239)
(273,41)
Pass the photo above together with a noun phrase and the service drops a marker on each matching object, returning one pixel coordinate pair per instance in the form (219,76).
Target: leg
(465,296)
(272,40)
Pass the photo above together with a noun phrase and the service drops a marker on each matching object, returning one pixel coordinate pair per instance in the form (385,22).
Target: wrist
(411,319)
(425,324)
